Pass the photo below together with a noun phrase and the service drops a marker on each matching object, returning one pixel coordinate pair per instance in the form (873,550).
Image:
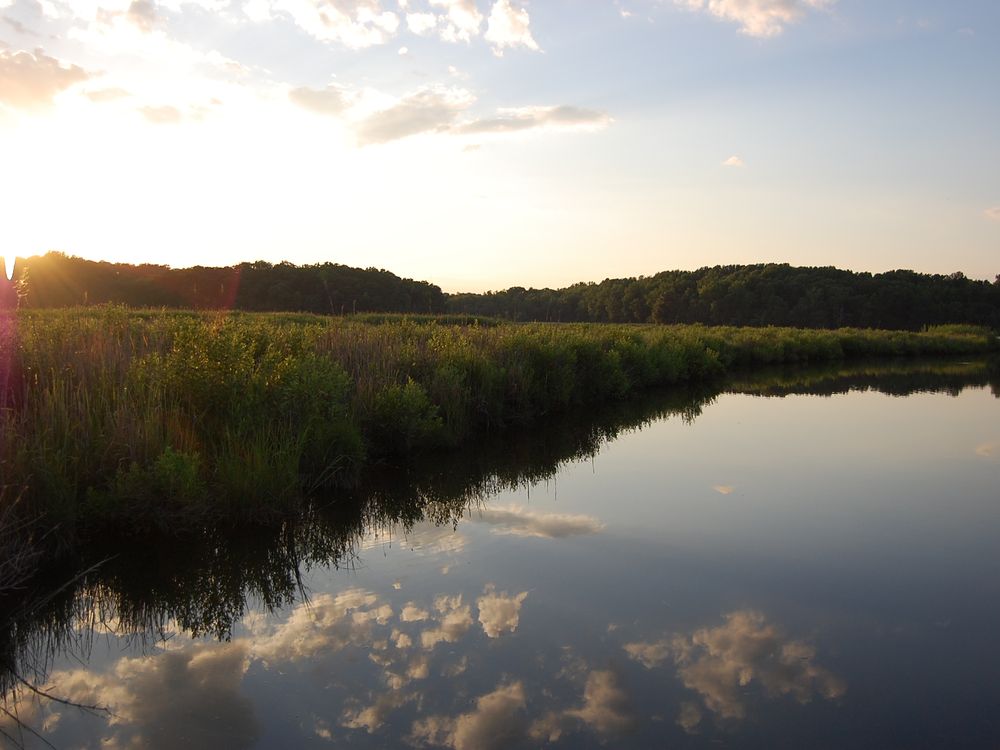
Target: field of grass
(170,419)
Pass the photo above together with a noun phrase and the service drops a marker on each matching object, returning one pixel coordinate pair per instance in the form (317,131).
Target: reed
(168,419)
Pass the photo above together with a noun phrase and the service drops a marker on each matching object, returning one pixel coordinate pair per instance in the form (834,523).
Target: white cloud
(509,27)
(106,95)
(460,21)
(257,11)
(453,621)
(759,18)
(421,23)
(412,613)
(733,161)
(374,716)
(156,69)
(650,655)
(326,624)
(31,80)
(499,613)
(353,23)
(605,705)
(161,115)
(992,213)
(689,716)
(187,698)
(519,521)
(142,13)
(430,109)
(988,450)
(514,119)
(719,663)
(496,722)
(332,100)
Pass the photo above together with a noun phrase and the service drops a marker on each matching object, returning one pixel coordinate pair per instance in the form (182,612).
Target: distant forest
(58,280)
(752,295)
(755,295)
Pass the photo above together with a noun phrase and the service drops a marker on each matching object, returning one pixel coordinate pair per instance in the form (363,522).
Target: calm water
(801,560)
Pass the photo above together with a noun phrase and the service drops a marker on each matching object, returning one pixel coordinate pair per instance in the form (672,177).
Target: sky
(481,144)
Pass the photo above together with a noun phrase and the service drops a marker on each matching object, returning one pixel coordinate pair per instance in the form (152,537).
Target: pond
(797,558)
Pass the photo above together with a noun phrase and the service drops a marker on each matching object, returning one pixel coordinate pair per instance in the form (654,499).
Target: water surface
(797,559)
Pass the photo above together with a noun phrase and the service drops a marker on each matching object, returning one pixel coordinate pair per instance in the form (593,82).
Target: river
(800,558)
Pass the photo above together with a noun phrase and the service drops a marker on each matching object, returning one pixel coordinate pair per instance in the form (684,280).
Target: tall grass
(166,419)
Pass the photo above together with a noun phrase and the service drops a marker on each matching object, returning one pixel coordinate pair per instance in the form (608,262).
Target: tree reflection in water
(165,590)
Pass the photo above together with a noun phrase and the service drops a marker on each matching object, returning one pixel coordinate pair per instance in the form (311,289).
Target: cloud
(142,13)
(412,613)
(724,489)
(323,626)
(499,613)
(992,213)
(497,721)
(519,521)
(163,115)
(509,27)
(421,23)
(988,450)
(175,699)
(719,663)
(332,100)
(733,161)
(31,80)
(430,109)
(353,23)
(374,716)
(100,96)
(605,705)
(510,120)
(453,621)
(759,18)
(606,709)
(460,21)
(650,655)
(17,26)
(430,538)
(689,716)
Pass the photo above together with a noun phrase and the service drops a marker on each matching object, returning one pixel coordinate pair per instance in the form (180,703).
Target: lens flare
(9,270)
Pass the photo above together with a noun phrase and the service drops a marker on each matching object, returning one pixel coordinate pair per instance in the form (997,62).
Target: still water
(801,559)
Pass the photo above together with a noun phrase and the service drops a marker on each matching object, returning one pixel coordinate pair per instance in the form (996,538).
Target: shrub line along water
(168,419)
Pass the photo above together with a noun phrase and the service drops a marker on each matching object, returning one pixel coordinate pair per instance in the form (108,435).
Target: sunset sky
(484,143)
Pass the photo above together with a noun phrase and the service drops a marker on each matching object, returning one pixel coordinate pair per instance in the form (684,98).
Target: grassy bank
(169,418)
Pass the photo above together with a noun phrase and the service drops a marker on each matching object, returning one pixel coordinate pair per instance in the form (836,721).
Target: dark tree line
(754,295)
(58,280)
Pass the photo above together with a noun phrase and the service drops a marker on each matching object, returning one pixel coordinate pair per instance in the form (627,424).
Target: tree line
(745,295)
(754,295)
(59,280)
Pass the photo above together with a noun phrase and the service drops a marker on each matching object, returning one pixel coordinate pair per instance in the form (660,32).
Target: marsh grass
(167,419)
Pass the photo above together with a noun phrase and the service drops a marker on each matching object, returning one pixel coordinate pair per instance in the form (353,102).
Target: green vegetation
(174,419)
(58,280)
(753,295)
(756,295)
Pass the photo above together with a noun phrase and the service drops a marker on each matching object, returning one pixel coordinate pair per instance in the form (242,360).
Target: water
(801,560)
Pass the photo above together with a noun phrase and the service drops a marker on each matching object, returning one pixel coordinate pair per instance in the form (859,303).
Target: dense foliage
(58,280)
(167,418)
(757,295)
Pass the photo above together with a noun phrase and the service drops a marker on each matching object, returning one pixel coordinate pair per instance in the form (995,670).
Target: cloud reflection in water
(718,663)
